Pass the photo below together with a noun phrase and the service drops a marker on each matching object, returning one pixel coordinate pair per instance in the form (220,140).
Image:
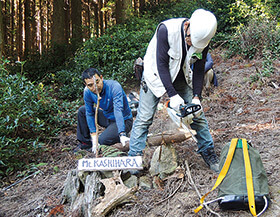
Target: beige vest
(175,53)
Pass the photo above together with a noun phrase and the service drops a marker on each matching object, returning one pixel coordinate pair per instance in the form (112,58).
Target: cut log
(170,137)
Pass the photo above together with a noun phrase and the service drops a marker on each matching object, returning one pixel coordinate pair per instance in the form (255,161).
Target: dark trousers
(109,136)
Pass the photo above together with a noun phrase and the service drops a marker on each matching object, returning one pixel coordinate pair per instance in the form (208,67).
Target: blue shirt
(113,102)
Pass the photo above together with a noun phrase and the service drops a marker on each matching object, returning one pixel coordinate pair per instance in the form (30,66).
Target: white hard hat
(203,25)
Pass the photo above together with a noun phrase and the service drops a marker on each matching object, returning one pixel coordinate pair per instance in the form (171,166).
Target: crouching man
(114,113)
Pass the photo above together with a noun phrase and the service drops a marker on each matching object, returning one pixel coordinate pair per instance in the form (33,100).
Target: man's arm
(90,114)
(209,62)
(118,103)
(198,73)
(163,60)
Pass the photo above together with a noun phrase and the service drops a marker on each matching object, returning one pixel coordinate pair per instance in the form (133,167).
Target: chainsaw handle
(188,109)
(167,104)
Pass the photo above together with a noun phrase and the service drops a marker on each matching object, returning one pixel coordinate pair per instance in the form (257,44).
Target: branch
(19,181)
(96,117)
(171,195)
(188,172)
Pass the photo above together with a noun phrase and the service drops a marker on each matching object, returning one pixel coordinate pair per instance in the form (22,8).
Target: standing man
(176,45)
(114,113)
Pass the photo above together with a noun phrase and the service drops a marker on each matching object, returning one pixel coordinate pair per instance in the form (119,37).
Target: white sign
(111,163)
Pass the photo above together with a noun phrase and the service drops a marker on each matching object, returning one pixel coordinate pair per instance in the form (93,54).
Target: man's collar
(103,89)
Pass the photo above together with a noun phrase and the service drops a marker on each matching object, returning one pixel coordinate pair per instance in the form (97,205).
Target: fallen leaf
(56,210)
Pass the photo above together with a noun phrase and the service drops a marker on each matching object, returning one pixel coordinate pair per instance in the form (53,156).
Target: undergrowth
(28,117)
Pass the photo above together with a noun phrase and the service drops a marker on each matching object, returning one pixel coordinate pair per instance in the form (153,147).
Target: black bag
(138,68)
(133,102)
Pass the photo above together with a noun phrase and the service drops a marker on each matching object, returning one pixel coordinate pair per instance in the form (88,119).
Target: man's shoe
(82,146)
(121,147)
(211,159)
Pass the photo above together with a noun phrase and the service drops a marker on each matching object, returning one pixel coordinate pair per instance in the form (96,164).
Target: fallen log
(174,136)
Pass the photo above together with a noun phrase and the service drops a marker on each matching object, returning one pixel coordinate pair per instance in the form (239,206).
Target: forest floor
(236,108)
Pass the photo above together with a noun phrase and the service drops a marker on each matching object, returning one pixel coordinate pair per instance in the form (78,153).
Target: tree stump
(82,189)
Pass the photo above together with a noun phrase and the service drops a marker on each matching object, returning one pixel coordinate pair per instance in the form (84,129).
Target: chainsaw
(184,111)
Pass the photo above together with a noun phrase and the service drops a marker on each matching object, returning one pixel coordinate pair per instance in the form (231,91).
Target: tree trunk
(141,5)
(76,18)
(1,31)
(105,16)
(34,46)
(67,20)
(48,26)
(58,26)
(27,27)
(127,6)
(82,188)
(13,20)
(88,20)
(119,11)
(42,33)
(96,18)
(123,8)
(100,13)
(19,40)
(5,28)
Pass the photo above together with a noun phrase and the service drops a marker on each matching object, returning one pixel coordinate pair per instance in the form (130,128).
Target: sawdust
(236,108)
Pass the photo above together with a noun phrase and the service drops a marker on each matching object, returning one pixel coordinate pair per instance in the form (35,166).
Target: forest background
(45,45)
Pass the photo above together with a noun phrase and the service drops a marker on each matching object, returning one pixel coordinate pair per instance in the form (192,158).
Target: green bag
(233,188)
(242,180)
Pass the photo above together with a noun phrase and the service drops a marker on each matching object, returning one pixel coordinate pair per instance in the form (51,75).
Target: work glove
(176,101)
(124,139)
(93,141)
(197,102)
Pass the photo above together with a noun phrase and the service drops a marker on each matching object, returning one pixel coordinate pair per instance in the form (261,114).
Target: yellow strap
(249,178)
(223,172)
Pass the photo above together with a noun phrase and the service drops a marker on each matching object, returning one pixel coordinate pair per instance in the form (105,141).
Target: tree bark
(141,5)
(34,45)
(1,31)
(86,32)
(123,8)
(100,13)
(27,27)
(58,27)
(19,40)
(106,18)
(119,11)
(12,21)
(48,26)
(67,20)
(42,32)
(127,6)
(76,18)
(96,18)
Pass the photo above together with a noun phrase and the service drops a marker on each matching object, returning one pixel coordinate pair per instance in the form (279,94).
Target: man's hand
(196,101)
(123,140)
(176,101)
(93,141)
